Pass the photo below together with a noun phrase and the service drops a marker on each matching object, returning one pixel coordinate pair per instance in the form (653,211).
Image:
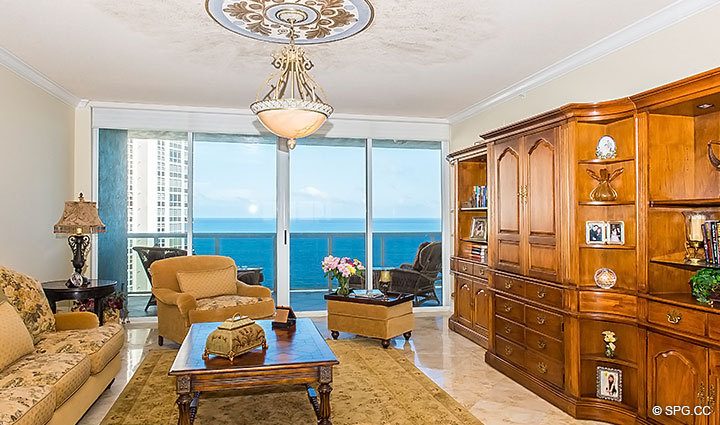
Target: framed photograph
(478,230)
(609,384)
(615,232)
(595,232)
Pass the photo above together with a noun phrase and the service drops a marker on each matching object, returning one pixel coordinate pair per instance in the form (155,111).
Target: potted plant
(705,284)
(342,269)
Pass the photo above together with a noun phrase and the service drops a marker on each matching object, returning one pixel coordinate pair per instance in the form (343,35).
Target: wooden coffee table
(295,356)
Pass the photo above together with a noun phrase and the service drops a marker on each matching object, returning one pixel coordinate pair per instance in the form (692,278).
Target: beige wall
(36,177)
(685,49)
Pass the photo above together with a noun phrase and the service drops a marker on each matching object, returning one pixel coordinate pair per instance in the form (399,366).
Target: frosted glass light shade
(291,119)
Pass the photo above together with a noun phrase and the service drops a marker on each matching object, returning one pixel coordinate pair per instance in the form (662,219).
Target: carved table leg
(183,402)
(324,390)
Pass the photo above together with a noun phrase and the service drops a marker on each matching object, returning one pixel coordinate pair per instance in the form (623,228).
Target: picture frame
(615,233)
(595,232)
(609,384)
(479,229)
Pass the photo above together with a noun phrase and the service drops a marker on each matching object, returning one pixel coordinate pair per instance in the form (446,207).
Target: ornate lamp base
(80,245)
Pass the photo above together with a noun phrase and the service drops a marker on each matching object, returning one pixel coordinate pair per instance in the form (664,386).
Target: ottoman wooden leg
(334,334)
(385,343)
(407,335)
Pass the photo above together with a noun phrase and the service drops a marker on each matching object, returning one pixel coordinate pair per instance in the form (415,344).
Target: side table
(97,289)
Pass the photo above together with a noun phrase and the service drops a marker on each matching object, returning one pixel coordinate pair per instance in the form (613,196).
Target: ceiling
(419,58)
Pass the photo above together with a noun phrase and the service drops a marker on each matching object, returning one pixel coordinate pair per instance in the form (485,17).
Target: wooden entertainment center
(532,298)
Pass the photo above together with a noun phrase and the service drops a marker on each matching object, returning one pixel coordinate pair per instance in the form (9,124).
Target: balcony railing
(390,249)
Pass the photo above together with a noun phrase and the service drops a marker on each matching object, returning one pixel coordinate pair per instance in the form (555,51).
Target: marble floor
(453,362)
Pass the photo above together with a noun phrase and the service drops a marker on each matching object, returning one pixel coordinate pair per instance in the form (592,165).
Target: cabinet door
(481,306)
(508,178)
(714,384)
(677,373)
(463,301)
(541,203)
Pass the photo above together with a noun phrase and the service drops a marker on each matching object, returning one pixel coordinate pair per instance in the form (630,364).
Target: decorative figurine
(603,191)
(609,338)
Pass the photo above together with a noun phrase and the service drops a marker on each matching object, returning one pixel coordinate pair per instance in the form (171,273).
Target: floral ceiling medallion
(316,21)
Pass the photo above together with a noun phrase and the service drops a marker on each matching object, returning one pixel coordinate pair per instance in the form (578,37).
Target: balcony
(308,285)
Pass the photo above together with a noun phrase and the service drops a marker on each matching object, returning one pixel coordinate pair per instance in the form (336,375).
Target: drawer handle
(507,329)
(507,308)
(508,284)
(508,350)
(541,293)
(674,317)
(464,268)
(542,344)
(540,320)
(482,291)
(542,367)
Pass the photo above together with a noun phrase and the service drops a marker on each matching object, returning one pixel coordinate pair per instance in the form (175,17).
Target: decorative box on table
(234,337)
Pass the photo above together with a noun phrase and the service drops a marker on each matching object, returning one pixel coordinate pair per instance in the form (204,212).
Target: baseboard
(471,334)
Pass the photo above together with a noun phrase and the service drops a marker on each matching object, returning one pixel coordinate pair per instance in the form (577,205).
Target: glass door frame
(283,217)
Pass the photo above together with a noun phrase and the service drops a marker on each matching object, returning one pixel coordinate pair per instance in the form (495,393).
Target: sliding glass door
(327,213)
(234,208)
(277,214)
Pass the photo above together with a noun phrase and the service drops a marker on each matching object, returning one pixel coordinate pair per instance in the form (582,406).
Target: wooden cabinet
(526,178)
(481,306)
(464,301)
(677,375)
(472,309)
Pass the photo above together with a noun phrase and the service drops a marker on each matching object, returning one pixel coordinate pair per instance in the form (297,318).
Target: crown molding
(663,18)
(22,69)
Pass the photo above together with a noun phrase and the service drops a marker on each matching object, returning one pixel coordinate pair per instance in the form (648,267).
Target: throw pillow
(14,336)
(208,283)
(26,295)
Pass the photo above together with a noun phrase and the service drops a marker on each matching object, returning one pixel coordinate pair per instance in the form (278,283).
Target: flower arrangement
(341,269)
(113,308)
(609,338)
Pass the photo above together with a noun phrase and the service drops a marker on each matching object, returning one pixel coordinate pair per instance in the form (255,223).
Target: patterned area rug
(371,386)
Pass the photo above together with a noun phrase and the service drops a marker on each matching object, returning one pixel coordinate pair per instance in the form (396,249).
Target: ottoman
(383,318)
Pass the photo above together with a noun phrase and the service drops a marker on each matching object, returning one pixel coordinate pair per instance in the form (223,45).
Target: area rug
(371,386)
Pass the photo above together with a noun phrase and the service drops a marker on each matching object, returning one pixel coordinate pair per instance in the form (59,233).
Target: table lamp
(385,280)
(79,219)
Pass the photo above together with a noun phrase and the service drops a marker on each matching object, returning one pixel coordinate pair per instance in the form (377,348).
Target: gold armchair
(178,309)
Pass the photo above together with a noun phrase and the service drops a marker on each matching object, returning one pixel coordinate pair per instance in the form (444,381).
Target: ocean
(251,243)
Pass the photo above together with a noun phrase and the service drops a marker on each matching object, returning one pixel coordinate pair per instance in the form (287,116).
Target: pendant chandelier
(291,105)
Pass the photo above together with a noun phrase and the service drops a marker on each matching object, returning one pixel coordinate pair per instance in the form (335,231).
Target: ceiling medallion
(316,21)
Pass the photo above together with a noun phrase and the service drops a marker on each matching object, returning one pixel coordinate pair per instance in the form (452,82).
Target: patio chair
(419,277)
(150,254)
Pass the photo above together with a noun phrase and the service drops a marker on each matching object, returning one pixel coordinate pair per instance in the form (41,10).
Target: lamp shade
(79,217)
(291,119)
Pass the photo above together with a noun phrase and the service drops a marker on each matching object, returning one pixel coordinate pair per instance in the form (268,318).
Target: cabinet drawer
(543,321)
(510,309)
(509,284)
(682,319)
(510,351)
(544,294)
(480,271)
(544,344)
(544,368)
(509,330)
(464,266)
(714,326)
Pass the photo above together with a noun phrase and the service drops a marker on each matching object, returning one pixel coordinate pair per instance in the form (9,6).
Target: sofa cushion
(64,372)
(15,339)
(225,301)
(208,283)
(220,308)
(28,298)
(26,405)
(100,344)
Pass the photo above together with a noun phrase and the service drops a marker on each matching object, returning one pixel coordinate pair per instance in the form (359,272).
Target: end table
(97,289)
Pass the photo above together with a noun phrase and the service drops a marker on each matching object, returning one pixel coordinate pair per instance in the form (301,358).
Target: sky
(237,180)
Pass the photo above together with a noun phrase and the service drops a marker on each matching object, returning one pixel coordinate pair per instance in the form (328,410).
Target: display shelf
(625,247)
(686,203)
(605,203)
(474,241)
(600,357)
(473,209)
(678,260)
(596,161)
(681,299)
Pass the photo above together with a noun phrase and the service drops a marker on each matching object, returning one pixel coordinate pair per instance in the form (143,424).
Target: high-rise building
(157,199)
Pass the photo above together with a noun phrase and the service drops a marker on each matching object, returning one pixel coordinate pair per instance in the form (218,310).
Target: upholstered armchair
(203,288)
(419,277)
